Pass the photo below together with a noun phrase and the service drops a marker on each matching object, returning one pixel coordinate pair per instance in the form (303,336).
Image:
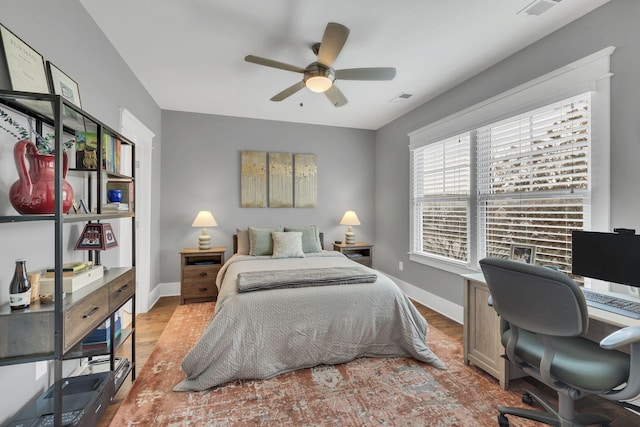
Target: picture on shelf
(523,253)
(63,85)
(83,207)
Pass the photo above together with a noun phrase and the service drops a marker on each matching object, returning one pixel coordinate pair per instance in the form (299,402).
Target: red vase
(34,192)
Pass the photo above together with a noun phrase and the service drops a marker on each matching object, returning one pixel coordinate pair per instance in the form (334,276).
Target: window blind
(441,189)
(533,181)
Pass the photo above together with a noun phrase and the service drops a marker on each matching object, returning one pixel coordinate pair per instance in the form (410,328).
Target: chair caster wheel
(527,399)
(503,421)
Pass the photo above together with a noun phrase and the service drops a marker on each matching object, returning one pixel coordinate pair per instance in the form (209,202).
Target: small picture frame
(83,207)
(523,253)
(75,207)
(61,84)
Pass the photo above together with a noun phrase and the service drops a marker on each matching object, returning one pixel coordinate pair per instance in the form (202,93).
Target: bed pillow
(260,241)
(287,244)
(310,238)
(242,236)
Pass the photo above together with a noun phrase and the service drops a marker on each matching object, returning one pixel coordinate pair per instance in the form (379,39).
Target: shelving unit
(55,331)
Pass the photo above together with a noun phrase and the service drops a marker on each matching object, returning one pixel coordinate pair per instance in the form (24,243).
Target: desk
(481,330)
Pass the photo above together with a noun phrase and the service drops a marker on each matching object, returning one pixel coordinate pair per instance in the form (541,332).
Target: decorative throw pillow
(287,245)
(243,241)
(260,241)
(310,239)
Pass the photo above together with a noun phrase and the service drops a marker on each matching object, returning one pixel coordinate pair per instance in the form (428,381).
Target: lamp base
(204,242)
(350,238)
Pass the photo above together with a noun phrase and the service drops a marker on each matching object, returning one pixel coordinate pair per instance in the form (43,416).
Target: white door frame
(142,136)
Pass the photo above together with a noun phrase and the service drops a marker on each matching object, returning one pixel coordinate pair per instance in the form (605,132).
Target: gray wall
(62,32)
(614,24)
(201,171)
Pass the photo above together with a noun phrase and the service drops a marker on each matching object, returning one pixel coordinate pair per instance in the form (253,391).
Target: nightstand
(359,252)
(198,271)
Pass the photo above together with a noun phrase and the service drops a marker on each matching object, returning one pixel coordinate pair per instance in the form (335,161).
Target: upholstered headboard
(235,241)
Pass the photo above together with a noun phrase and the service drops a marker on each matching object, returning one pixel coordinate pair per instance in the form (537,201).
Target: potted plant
(34,192)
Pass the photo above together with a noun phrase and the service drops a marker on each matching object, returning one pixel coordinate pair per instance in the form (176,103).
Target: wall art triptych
(278,180)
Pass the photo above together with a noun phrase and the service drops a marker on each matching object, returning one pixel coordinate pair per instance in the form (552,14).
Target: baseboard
(163,290)
(445,307)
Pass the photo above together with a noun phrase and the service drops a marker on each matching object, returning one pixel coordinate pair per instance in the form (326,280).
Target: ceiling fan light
(318,84)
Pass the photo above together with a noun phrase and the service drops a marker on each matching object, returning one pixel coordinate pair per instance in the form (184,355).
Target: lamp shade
(350,218)
(318,84)
(97,236)
(204,219)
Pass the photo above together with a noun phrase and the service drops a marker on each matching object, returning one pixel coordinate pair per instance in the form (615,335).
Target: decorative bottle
(20,288)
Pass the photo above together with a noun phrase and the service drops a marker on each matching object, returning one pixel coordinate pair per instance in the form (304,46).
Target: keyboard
(612,304)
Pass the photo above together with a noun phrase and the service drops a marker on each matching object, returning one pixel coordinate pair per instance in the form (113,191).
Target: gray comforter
(260,334)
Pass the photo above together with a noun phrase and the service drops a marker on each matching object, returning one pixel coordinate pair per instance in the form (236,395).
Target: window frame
(589,74)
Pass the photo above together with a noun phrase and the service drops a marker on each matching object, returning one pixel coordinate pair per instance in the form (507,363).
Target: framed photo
(25,65)
(523,253)
(63,85)
(83,207)
(75,207)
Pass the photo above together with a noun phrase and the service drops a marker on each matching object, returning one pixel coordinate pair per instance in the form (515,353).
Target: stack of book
(100,338)
(69,269)
(75,276)
(115,207)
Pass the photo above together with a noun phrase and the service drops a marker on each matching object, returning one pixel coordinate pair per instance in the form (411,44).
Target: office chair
(544,316)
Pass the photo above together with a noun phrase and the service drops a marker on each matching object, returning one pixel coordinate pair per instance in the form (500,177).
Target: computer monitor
(612,257)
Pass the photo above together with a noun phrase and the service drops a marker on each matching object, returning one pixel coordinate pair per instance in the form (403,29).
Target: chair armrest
(628,335)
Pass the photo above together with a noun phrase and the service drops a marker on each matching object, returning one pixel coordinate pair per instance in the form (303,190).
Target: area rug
(364,392)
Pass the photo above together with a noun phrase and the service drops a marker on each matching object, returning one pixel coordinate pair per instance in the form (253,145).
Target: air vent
(538,7)
(400,97)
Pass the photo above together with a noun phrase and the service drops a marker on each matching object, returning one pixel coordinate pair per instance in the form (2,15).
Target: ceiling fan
(320,76)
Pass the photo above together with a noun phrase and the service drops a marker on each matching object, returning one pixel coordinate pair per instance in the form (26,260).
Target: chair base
(551,415)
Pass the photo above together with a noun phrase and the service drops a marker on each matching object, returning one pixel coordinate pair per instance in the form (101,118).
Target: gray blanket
(278,279)
(257,335)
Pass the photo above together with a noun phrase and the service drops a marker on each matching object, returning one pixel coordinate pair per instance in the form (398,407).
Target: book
(115,207)
(72,284)
(69,269)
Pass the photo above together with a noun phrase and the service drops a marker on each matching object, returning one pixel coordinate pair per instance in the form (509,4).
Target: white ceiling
(189,54)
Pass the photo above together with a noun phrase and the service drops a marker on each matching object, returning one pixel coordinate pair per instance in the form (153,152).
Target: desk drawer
(83,317)
(121,289)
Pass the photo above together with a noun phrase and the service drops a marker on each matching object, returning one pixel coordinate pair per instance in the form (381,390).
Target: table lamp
(204,219)
(97,236)
(350,218)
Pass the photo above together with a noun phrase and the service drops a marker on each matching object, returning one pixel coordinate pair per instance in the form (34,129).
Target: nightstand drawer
(81,318)
(201,272)
(200,289)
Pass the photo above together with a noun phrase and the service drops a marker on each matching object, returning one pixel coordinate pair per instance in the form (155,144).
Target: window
(533,181)
(441,186)
(519,169)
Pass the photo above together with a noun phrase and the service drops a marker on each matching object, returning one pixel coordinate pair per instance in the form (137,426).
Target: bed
(292,322)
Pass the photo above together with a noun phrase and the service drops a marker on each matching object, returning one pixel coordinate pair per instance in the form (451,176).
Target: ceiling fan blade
(334,38)
(274,64)
(288,91)
(366,74)
(335,96)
